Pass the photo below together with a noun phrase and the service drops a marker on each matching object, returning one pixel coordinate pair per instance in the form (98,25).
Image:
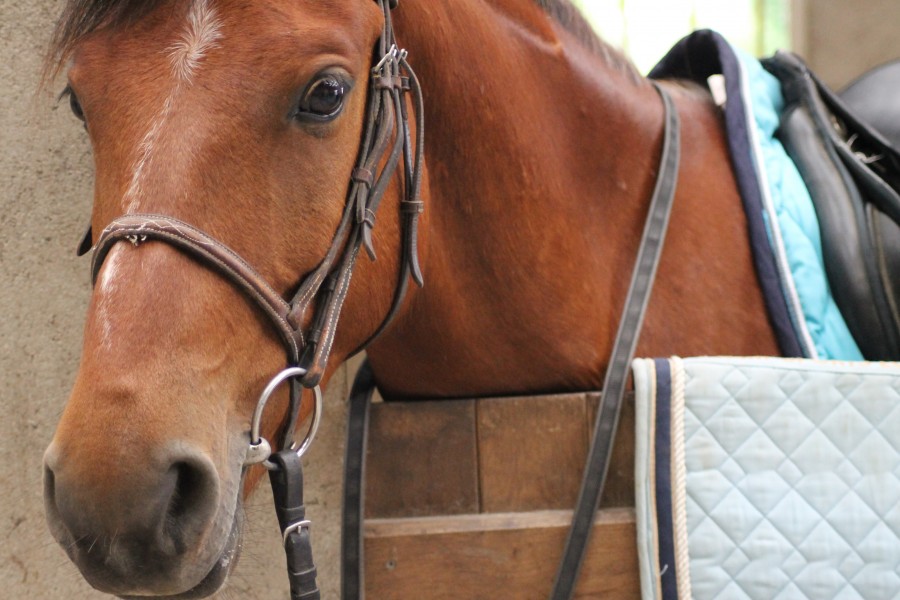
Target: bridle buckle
(297,527)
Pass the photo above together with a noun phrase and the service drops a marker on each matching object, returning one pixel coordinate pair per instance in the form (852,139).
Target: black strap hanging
(352,579)
(607,417)
(623,351)
(287,489)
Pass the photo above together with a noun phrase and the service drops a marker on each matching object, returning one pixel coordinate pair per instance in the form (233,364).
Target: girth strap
(623,351)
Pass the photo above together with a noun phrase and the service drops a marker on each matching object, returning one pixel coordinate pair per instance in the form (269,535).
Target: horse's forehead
(182,34)
(195,81)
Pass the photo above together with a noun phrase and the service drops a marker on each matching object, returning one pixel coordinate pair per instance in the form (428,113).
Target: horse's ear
(87,242)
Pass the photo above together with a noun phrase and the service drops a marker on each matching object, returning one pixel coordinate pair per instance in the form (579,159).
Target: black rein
(352,566)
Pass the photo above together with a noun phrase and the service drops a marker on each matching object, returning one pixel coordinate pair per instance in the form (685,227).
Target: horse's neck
(541,160)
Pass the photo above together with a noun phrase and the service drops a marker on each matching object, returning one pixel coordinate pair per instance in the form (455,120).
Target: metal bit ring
(260,449)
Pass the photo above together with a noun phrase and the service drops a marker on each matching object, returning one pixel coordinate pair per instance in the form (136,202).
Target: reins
(386,139)
(616,379)
(606,424)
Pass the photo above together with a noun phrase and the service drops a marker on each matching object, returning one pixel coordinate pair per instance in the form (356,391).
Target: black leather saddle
(847,149)
(875,98)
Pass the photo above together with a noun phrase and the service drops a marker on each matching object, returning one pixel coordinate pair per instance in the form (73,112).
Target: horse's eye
(74,104)
(324,99)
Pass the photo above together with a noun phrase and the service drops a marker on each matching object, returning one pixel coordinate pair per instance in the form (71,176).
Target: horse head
(234,131)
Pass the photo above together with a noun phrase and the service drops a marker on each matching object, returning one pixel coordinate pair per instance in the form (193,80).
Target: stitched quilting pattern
(793,478)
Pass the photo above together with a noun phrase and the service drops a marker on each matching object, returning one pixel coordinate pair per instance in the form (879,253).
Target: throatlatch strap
(352,575)
(287,489)
(623,351)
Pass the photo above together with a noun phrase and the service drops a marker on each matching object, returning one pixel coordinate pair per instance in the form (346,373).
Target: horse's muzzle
(152,529)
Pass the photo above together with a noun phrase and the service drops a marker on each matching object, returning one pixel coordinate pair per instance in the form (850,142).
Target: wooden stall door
(472,499)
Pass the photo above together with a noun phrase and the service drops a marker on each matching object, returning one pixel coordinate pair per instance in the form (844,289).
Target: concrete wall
(45,197)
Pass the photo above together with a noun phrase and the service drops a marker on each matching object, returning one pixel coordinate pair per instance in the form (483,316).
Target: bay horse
(244,120)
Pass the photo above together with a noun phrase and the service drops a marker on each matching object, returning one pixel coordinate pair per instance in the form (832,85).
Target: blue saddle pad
(767,478)
(784,230)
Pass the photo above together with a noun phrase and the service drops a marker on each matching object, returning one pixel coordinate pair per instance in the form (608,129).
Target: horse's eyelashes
(74,104)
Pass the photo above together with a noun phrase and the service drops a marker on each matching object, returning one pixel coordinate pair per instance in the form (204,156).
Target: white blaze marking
(201,35)
(107,288)
(145,152)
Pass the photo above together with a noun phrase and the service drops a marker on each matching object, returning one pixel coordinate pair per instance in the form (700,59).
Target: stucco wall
(45,197)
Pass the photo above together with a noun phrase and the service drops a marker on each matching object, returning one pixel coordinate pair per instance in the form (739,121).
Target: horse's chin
(218,574)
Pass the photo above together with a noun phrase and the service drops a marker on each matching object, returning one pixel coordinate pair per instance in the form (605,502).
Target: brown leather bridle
(386,139)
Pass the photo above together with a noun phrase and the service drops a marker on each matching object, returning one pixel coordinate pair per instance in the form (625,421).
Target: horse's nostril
(157,518)
(50,499)
(151,526)
(49,483)
(191,502)
(187,486)
(187,493)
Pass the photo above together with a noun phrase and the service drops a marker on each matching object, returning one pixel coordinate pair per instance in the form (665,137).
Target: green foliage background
(646,29)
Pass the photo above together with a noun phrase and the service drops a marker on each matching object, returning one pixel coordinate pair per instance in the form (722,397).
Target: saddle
(847,150)
(873,97)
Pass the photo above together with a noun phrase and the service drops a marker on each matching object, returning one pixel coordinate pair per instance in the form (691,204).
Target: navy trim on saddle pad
(663,472)
(697,57)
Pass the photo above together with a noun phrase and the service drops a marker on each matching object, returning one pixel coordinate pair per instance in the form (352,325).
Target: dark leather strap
(352,573)
(139,228)
(387,138)
(623,351)
(287,490)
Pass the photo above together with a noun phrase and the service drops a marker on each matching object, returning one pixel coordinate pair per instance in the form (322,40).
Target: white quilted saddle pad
(768,478)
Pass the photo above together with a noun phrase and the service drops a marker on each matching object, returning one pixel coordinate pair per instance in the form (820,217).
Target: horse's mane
(574,22)
(82,17)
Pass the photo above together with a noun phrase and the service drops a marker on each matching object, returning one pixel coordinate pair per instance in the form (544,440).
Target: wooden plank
(619,488)
(421,459)
(531,451)
(489,556)
(424,458)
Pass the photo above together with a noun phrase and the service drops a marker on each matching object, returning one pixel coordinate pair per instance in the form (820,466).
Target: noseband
(386,139)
